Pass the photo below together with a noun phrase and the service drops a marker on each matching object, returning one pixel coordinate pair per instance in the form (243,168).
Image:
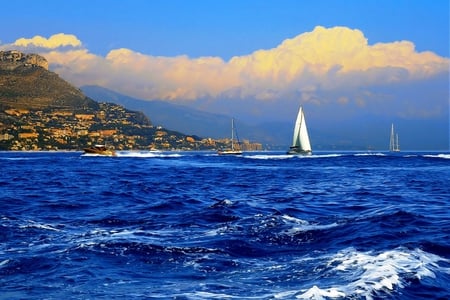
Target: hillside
(41,111)
(30,86)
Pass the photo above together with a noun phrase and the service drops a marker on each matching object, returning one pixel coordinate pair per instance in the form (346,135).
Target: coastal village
(39,120)
(23,129)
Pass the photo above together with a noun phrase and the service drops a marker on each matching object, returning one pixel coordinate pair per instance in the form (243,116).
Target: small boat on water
(100,150)
(233,150)
(300,140)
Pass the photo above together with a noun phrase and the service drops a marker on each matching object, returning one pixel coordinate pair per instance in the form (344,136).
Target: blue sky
(379,60)
(223,28)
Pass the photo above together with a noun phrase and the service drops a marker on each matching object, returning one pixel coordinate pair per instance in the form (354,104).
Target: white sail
(300,139)
(393,142)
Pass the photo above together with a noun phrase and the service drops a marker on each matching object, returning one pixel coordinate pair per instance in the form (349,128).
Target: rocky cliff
(26,83)
(13,59)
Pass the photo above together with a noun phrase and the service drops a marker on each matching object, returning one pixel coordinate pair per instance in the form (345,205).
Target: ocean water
(195,225)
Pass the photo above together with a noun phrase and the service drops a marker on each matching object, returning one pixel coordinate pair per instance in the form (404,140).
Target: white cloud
(324,59)
(53,42)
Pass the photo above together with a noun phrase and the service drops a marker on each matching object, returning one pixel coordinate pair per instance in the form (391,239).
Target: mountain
(166,114)
(182,118)
(27,85)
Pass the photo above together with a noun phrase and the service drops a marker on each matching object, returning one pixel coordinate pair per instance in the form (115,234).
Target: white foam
(33,224)
(146,154)
(4,262)
(329,155)
(370,154)
(302,225)
(294,220)
(368,272)
(269,156)
(315,293)
(444,156)
(325,155)
(290,156)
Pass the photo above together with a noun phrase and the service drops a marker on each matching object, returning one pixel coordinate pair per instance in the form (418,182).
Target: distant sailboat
(300,140)
(393,142)
(233,150)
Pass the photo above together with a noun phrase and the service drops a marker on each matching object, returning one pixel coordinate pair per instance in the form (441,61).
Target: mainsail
(393,142)
(300,139)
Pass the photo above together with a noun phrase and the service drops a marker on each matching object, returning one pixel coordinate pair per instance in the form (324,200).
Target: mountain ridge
(273,135)
(32,86)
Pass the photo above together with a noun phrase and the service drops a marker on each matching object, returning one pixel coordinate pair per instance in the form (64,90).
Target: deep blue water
(200,226)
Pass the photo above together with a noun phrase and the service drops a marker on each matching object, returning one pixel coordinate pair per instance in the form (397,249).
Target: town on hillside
(22,129)
(40,111)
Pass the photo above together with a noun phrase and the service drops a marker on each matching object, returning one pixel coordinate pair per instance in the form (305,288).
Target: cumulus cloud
(324,59)
(334,57)
(53,42)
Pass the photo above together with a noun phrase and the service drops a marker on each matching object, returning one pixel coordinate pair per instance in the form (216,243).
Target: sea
(196,225)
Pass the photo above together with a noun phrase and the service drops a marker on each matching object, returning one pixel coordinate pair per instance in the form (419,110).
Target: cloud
(335,57)
(303,67)
(53,42)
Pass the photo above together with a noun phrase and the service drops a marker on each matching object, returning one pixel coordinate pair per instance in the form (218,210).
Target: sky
(345,61)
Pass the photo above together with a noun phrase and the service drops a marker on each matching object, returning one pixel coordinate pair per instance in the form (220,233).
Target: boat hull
(229,152)
(94,150)
(299,152)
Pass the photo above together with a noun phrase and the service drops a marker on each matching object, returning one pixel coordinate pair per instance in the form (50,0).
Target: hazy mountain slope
(183,118)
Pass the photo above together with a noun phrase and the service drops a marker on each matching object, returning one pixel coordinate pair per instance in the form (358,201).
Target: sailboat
(233,150)
(300,140)
(393,142)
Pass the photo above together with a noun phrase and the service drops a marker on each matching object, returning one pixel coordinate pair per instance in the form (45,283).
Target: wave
(290,156)
(298,225)
(443,156)
(370,154)
(316,155)
(323,155)
(18,158)
(367,274)
(141,154)
(147,154)
(34,225)
(268,156)
(342,154)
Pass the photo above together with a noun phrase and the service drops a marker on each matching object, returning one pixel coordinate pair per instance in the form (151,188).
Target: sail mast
(232,150)
(232,133)
(392,141)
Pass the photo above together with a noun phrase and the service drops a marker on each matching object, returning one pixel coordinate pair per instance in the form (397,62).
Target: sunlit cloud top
(55,41)
(325,58)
